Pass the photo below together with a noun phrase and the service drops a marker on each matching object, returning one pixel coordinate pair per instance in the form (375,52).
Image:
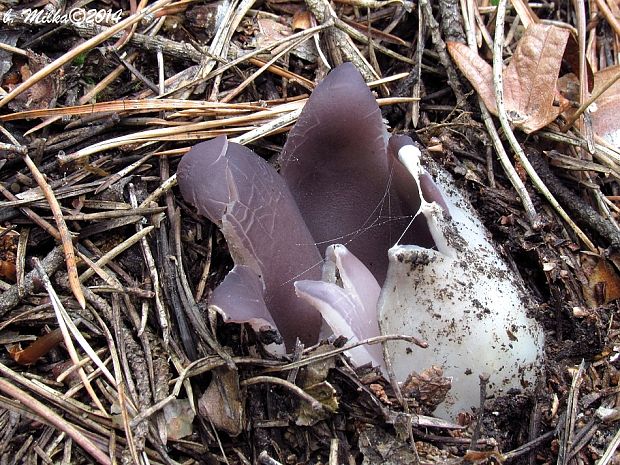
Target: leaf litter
(149,374)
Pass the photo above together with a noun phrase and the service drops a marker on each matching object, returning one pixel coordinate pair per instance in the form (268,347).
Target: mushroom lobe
(265,233)
(335,164)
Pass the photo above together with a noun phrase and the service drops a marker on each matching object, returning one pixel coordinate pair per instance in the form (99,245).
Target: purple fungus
(240,298)
(335,164)
(351,188)
(347,299)
(266,235)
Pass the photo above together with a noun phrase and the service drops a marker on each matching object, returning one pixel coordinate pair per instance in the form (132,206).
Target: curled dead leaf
(8,254)
(41,94)
(378,391)
(478,456)
(179,418)
(478,72)
(529,79)
(603,284)
(222,402)
(325,393)
(270,31)
(39,348)
(302,20)
(378,446)
(604,111)
(429,387)
(314,382)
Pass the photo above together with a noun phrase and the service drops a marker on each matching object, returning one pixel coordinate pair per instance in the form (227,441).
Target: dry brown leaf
(41,94)
(477,71)
(429,388)
(270,31)
(39,348)
(603,284)
(222,404)
(529,80)
(302,20)
(179,419)
(525,12)
(604,111)
(8,254)
(325,393)
(480,456)
(571,59)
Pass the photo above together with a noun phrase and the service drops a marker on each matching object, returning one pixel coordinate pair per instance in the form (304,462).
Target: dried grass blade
(609,16)
(115,251)
(262,68)
(92,93)
(152,267)
(122,173)
(525,12)
(73,53)
(70,370)
(514,143)
(65,236)
(611,450)
(162,189)
(104,215)
(268,128)
(568,431)
(143,105)
(109,279)
(44,224)
(284,73)
(63,319)
(171,131)
(54,419)
(129,436)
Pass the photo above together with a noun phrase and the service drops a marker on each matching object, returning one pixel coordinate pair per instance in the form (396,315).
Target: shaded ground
(148,273)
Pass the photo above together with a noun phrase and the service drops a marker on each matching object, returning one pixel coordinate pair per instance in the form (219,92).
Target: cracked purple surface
(251,203)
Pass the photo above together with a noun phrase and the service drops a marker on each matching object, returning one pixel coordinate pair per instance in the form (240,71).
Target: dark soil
(160,346)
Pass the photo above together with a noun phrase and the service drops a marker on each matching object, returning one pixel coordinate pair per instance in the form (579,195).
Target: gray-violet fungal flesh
(336,166)
(346,188)
(265,233)
(347,299)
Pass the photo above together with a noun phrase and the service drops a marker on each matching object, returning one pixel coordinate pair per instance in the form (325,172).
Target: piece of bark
(10,298)
(581,211)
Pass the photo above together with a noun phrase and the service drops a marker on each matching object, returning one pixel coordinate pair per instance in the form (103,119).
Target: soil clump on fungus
(110,351)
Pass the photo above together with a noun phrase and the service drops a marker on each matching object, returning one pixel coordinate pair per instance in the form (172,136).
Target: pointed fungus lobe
(251,203)
(335,164)
(240,296)
(404,182)
(347,299)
